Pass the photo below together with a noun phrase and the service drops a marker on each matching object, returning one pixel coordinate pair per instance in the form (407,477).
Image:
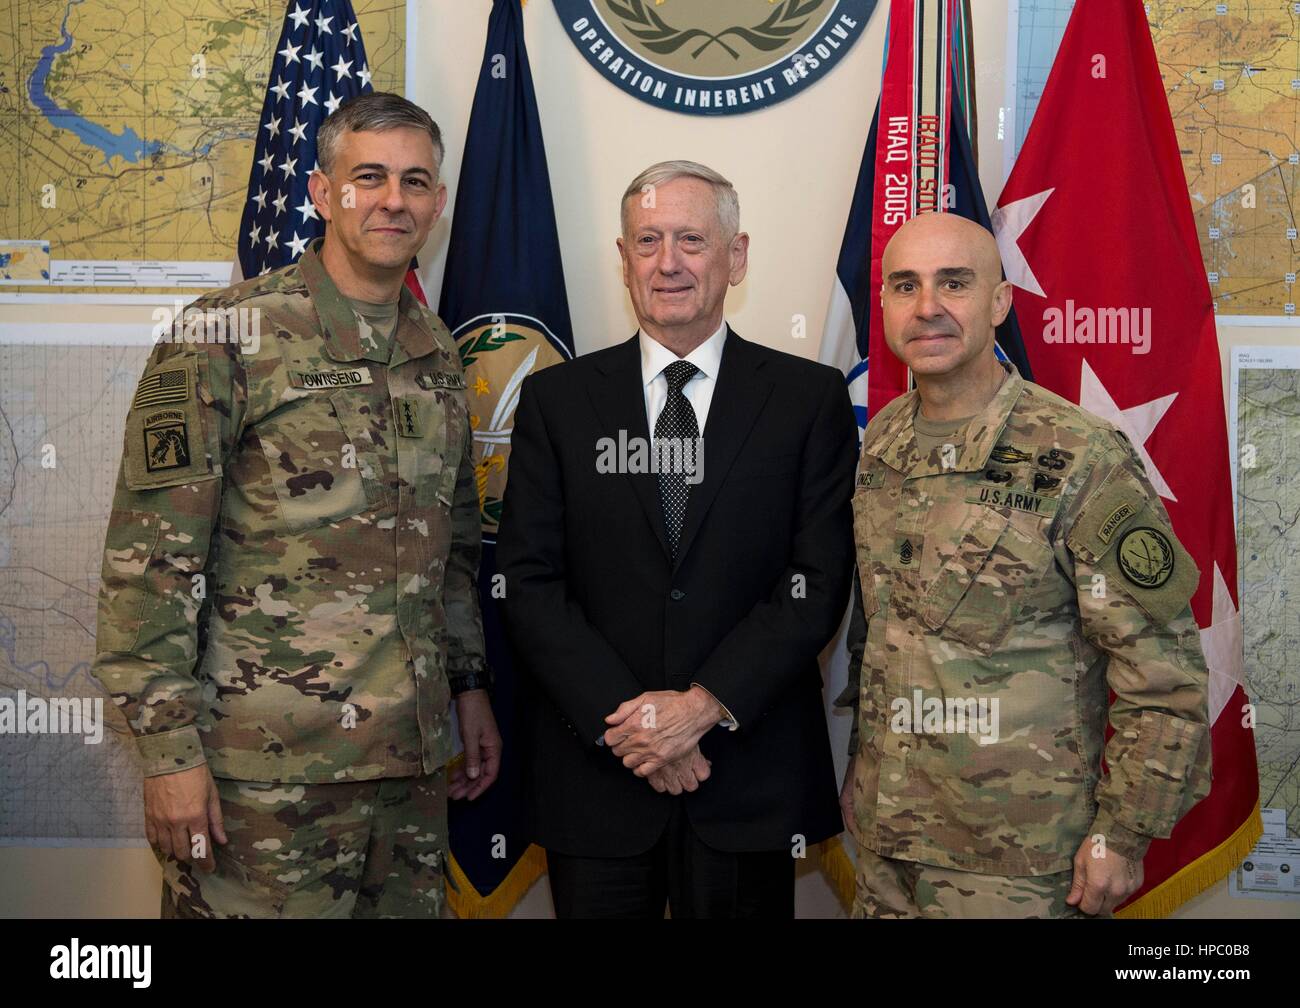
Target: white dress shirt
(698,391)
(707,357)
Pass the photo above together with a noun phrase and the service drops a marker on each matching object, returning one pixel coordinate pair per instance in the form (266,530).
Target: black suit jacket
(598,612)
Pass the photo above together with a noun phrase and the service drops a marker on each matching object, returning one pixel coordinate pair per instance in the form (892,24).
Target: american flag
(162,387)
(320,63)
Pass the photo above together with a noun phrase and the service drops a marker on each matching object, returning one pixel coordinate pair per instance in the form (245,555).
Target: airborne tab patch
(166,440)
(170,445)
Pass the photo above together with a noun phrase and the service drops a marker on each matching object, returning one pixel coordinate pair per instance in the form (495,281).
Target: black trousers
(693,879)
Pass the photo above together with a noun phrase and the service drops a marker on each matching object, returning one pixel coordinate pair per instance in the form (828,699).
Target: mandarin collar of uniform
(415,336)
(342,338)
(895,445)
(983,430)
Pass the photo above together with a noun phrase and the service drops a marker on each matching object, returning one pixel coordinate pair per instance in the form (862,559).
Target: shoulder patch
(1115,519)
(1124,533)
(166,440)
(166,431)
(167,385)
(1146,557)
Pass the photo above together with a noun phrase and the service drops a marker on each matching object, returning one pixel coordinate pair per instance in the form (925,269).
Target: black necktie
(677,420)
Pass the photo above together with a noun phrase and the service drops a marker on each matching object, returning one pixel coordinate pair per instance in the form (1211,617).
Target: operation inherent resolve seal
(716,58)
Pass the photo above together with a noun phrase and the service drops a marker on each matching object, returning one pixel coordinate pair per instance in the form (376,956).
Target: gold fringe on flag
(468,903)
(1164,899)
(1198,876)
(840,874)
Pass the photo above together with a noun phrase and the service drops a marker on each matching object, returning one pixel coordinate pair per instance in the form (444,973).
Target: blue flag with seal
(503,298)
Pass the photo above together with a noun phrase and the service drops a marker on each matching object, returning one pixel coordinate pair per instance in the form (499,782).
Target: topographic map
(1232,73)
(62,411)
(1266,382)
(127,133)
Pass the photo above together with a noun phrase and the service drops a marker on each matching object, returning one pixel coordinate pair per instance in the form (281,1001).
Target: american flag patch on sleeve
(162,387)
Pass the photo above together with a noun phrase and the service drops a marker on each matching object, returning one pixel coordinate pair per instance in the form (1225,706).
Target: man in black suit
(669,621)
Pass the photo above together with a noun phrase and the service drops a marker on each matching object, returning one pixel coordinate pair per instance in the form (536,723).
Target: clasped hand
(657,735)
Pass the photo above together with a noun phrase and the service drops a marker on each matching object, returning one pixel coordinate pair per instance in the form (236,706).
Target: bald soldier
(289,595)
(1015,565)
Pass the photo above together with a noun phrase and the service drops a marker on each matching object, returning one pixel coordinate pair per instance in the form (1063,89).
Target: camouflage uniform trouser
(360,849)
(888,887)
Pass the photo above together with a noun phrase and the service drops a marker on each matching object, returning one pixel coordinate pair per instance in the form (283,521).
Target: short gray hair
(373,112)
(666,171)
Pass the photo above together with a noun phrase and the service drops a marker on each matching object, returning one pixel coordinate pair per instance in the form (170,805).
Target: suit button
(676,594)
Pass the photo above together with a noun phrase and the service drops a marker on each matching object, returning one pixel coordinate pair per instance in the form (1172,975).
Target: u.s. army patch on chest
(1018,500)
(430,380)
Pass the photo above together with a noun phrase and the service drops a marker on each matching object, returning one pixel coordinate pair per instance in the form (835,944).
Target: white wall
(794,165)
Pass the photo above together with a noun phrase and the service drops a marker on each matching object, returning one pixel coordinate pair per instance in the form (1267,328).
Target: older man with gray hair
(668,607)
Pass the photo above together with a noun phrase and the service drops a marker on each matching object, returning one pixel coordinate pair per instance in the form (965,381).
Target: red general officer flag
(1096,233)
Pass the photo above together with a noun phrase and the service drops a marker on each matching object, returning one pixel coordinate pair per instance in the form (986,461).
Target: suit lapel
(741,391)
(619,400)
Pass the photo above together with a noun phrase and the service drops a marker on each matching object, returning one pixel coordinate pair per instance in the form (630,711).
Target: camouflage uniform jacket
(290,569)
(1030,563)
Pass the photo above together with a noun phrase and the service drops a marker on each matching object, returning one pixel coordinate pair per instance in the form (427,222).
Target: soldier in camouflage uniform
(1014,565)
(289,595)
